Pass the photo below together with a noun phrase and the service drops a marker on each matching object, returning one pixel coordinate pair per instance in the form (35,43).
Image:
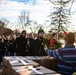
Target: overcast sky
(11,9)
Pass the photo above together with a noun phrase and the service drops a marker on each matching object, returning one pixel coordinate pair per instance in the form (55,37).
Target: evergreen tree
(60,16)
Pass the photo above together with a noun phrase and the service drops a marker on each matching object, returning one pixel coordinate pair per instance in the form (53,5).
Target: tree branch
(71,5)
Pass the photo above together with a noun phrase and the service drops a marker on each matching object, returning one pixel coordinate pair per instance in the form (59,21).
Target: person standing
(7,42)
(2,46)
(12,46)
(36,47)
(21,44)
(1,49)
(29,41)
(66,56)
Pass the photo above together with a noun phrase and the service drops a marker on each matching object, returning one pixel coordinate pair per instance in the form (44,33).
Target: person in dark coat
(1,50)
(21,43)
(37,48)
(7,43)
(29,41)
(12,46)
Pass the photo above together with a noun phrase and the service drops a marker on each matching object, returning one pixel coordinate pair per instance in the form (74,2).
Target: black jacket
(29,42)
(21,43)
(12,46)
(2,48)
(37,49)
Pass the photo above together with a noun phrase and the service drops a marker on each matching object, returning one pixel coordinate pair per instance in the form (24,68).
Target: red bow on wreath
(65,32)
(52,42)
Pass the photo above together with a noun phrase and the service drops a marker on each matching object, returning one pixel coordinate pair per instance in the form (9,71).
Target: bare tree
(24,20)
(2,24)
(5,21)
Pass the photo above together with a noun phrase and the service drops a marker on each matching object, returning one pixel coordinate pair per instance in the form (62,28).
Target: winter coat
(21,44)
(37,49)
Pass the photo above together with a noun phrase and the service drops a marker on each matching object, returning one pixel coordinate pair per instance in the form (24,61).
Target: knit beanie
(70,38)
(40,30)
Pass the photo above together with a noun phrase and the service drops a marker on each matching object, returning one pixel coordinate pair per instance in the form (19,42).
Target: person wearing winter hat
(66,56)
(69,38)
(40,34)
(40,31)
(36,47)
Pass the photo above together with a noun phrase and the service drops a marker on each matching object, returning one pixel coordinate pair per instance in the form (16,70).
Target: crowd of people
(28,46)
(22,45)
